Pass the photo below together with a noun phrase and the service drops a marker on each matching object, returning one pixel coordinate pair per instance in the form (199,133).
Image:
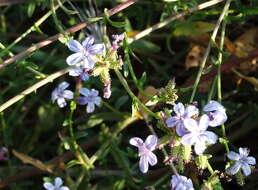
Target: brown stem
(73,29)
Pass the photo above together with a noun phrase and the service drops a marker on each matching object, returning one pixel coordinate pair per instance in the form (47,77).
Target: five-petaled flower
(56,186)
(80,71)
(182,113)
(90,97)
(60,94)
(145,151)
(216,112)
(84,52)
(179,182)
(242,161)
(198,135)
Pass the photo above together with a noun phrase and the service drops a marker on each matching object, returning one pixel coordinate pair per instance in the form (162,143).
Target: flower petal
(211,137)
(58,182)
(75,46)
(179,109)
(172,121)
(235,168)
(151,142)
(88,42)
(75,72)
(246,169)
(85,91)
(188,139)
(64,188)
(217,118)
(88,62)
(48,186)
(82,100)
(74,58)
(233,155)
(68,94)
(90,107)
(204,122)
(84,76)
(191,125)
(143,164)
(251,160)
(244,151)
(180,128)
(213,106)
(54,95)
(63,85)
(94,92)
(191,111)
(199,147)
(152,159)
(61,102)
(96,49)
(136,141)
(97,100)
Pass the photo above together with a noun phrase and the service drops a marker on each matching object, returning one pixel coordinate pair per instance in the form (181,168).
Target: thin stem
(31,29)
(81,156)
(129,91)
(172,18)
(211,93)
(210,168)
(207,52)
(112,108)
(73,29)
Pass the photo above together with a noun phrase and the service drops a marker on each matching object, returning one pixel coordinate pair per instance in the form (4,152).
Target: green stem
(127,88)
(81,156)
(112,108)
(210,168)
(219,91)
(211,93)
(207,52)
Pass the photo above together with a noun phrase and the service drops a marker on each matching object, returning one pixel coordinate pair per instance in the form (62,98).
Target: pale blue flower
(182,113)
(145,151)
(57,185)
(60,94)
(80,71)
(84,52)
(242,161)
(179,182)
(198,136)
(216,112)
(90,97)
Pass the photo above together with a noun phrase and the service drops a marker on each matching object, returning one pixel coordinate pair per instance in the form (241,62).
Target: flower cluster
(88,59)
(191,129)
(194,132)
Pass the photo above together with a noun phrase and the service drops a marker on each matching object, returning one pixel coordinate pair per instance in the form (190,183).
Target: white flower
(216,112)
(179,182)
(56,186)
(182,113)
(145,151)
(198,134)
(242,161)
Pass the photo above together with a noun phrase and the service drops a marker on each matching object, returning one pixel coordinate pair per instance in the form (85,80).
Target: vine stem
(207,52)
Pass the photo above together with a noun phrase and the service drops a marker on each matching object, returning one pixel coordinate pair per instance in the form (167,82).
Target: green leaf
(146,46)
(154,100)
(31,9)
(142,80)
(113,23)
(121,101)
(135,107)
(72,163)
